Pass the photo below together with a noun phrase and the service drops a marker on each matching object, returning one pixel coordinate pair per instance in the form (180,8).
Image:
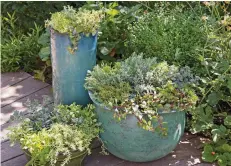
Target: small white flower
(126,110)
(116,110)
(135,108)
(140,116)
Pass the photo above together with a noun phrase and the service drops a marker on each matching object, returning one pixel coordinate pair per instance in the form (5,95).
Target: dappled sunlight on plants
(152,58)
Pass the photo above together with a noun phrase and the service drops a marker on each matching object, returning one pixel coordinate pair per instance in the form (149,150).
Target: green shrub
(47,131)
(8,28)
(44,71)
(212,116)
(20,49)
(114,30)
(29,13)
(177,37)
(21,52)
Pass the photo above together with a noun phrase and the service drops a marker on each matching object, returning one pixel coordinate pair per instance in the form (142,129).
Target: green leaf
(113,5)
(207,154)
(213,98)
(149,123)
(113,12)
(218,133)
(229,84)
(39,74)
(224,148)
(223,65)
(48,62)
(227,121)
(224,159)
(44,53)
(204,80)
(44,39)
(104,51)
(204,119)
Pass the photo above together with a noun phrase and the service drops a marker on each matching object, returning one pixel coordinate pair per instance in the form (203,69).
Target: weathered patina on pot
(69,70)
(126,140)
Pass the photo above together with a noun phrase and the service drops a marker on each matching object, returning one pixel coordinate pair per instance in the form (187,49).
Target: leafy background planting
(197,34)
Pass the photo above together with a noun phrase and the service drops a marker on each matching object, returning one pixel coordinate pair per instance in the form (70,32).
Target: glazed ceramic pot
(76,158)
(126,140)
(70,69)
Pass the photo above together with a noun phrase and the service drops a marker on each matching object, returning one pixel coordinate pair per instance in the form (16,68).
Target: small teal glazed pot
(69,70)
(77,158)
(126,140)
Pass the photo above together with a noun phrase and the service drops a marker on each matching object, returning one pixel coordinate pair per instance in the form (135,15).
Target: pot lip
(65,33)
(105,107)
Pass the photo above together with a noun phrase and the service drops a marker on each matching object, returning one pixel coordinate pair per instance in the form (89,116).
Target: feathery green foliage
(20,52)
(75,23)
(47,132)
(173,36)
(142,86)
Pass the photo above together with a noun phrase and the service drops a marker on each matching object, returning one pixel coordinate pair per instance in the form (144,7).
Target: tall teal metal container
(69,70)
(127,141)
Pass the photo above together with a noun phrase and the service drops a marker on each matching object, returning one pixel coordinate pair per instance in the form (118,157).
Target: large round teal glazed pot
(126,140)
(69,70)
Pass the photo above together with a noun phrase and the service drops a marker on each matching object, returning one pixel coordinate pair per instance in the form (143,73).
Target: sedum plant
(46,132)
(144,88)
(75,23)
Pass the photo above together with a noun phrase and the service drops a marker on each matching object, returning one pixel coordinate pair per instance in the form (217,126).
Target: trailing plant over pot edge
(74,23)
(144,88)
(48,134)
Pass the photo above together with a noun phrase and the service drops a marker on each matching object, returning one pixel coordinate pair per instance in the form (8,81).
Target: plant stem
(145,5)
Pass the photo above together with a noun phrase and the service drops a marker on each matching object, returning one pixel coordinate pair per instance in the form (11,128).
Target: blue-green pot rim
(52,30)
